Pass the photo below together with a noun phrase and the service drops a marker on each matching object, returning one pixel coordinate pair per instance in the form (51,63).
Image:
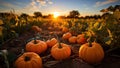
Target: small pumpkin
(60,51)
(72,39)
(91,53)
(29,60)
(81,39)
(65,29)
(36,28)
(51,42)
(66,35)
(36,46)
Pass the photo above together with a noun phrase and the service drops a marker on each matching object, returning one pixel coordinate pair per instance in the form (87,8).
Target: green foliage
(13,26)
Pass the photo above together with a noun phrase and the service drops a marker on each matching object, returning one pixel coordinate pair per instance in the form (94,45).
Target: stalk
(91,39)
(35,41)
(58,41)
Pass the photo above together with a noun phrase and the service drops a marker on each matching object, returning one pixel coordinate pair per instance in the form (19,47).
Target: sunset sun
(56,14)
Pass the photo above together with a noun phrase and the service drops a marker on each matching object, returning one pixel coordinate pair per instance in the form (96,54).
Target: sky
(85,7)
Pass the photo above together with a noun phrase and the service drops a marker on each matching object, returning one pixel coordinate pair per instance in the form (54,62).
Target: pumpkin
(91,53)
(36,46)
(81,39)
(65,29)
(51,42)
(29,60)
(36,28)
(72,39)
(66,35)
(60,51)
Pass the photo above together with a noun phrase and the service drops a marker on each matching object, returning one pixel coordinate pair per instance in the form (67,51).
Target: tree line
(72,14)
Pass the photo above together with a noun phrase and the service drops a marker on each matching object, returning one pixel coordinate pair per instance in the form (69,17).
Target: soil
(16,45)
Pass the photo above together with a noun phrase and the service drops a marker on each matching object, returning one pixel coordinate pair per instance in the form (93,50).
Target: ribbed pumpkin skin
(34,62)
(93,54)
(72,39)
(60,53)
(40,47)
(51,42)
(66,35)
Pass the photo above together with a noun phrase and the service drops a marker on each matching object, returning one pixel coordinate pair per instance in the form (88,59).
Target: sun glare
(56,14)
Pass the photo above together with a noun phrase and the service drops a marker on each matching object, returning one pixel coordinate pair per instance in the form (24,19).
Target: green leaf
(107,40)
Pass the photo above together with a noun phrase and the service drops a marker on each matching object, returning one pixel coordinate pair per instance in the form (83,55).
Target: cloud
(50,2)
(43,2)
(30,7)
(35,5)
(99,3)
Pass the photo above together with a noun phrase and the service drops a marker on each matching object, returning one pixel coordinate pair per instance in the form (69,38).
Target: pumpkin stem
(91,39)
(90,42)
(27,58)
(58,41)
(35,41)
(59,45)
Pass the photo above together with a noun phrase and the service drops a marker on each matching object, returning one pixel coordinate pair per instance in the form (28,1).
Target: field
(16,32)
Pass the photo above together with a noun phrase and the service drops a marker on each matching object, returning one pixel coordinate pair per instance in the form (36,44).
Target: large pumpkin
(51,42)
(91,53)
(60,51)
(81,39)
(29,60)
(36,46)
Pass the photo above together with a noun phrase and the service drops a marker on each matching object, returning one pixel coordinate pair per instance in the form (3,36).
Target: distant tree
(74,14)
(24,15)
(37,14)
(50,15)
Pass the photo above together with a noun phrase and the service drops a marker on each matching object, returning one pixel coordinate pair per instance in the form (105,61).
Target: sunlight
(56,14)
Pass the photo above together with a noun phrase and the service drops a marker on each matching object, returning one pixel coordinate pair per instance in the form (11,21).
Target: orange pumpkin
(36,46)
(91,53)
(29,60)
(51,42)
(36,29)
(72,39)
(60,51)
(66,35)
(65,29)
(81,39)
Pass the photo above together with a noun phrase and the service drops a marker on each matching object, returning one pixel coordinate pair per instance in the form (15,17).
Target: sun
(56,14)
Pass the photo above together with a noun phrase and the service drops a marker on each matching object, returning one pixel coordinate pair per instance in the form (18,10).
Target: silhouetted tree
(74,14)
(24,15)
(38,14)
